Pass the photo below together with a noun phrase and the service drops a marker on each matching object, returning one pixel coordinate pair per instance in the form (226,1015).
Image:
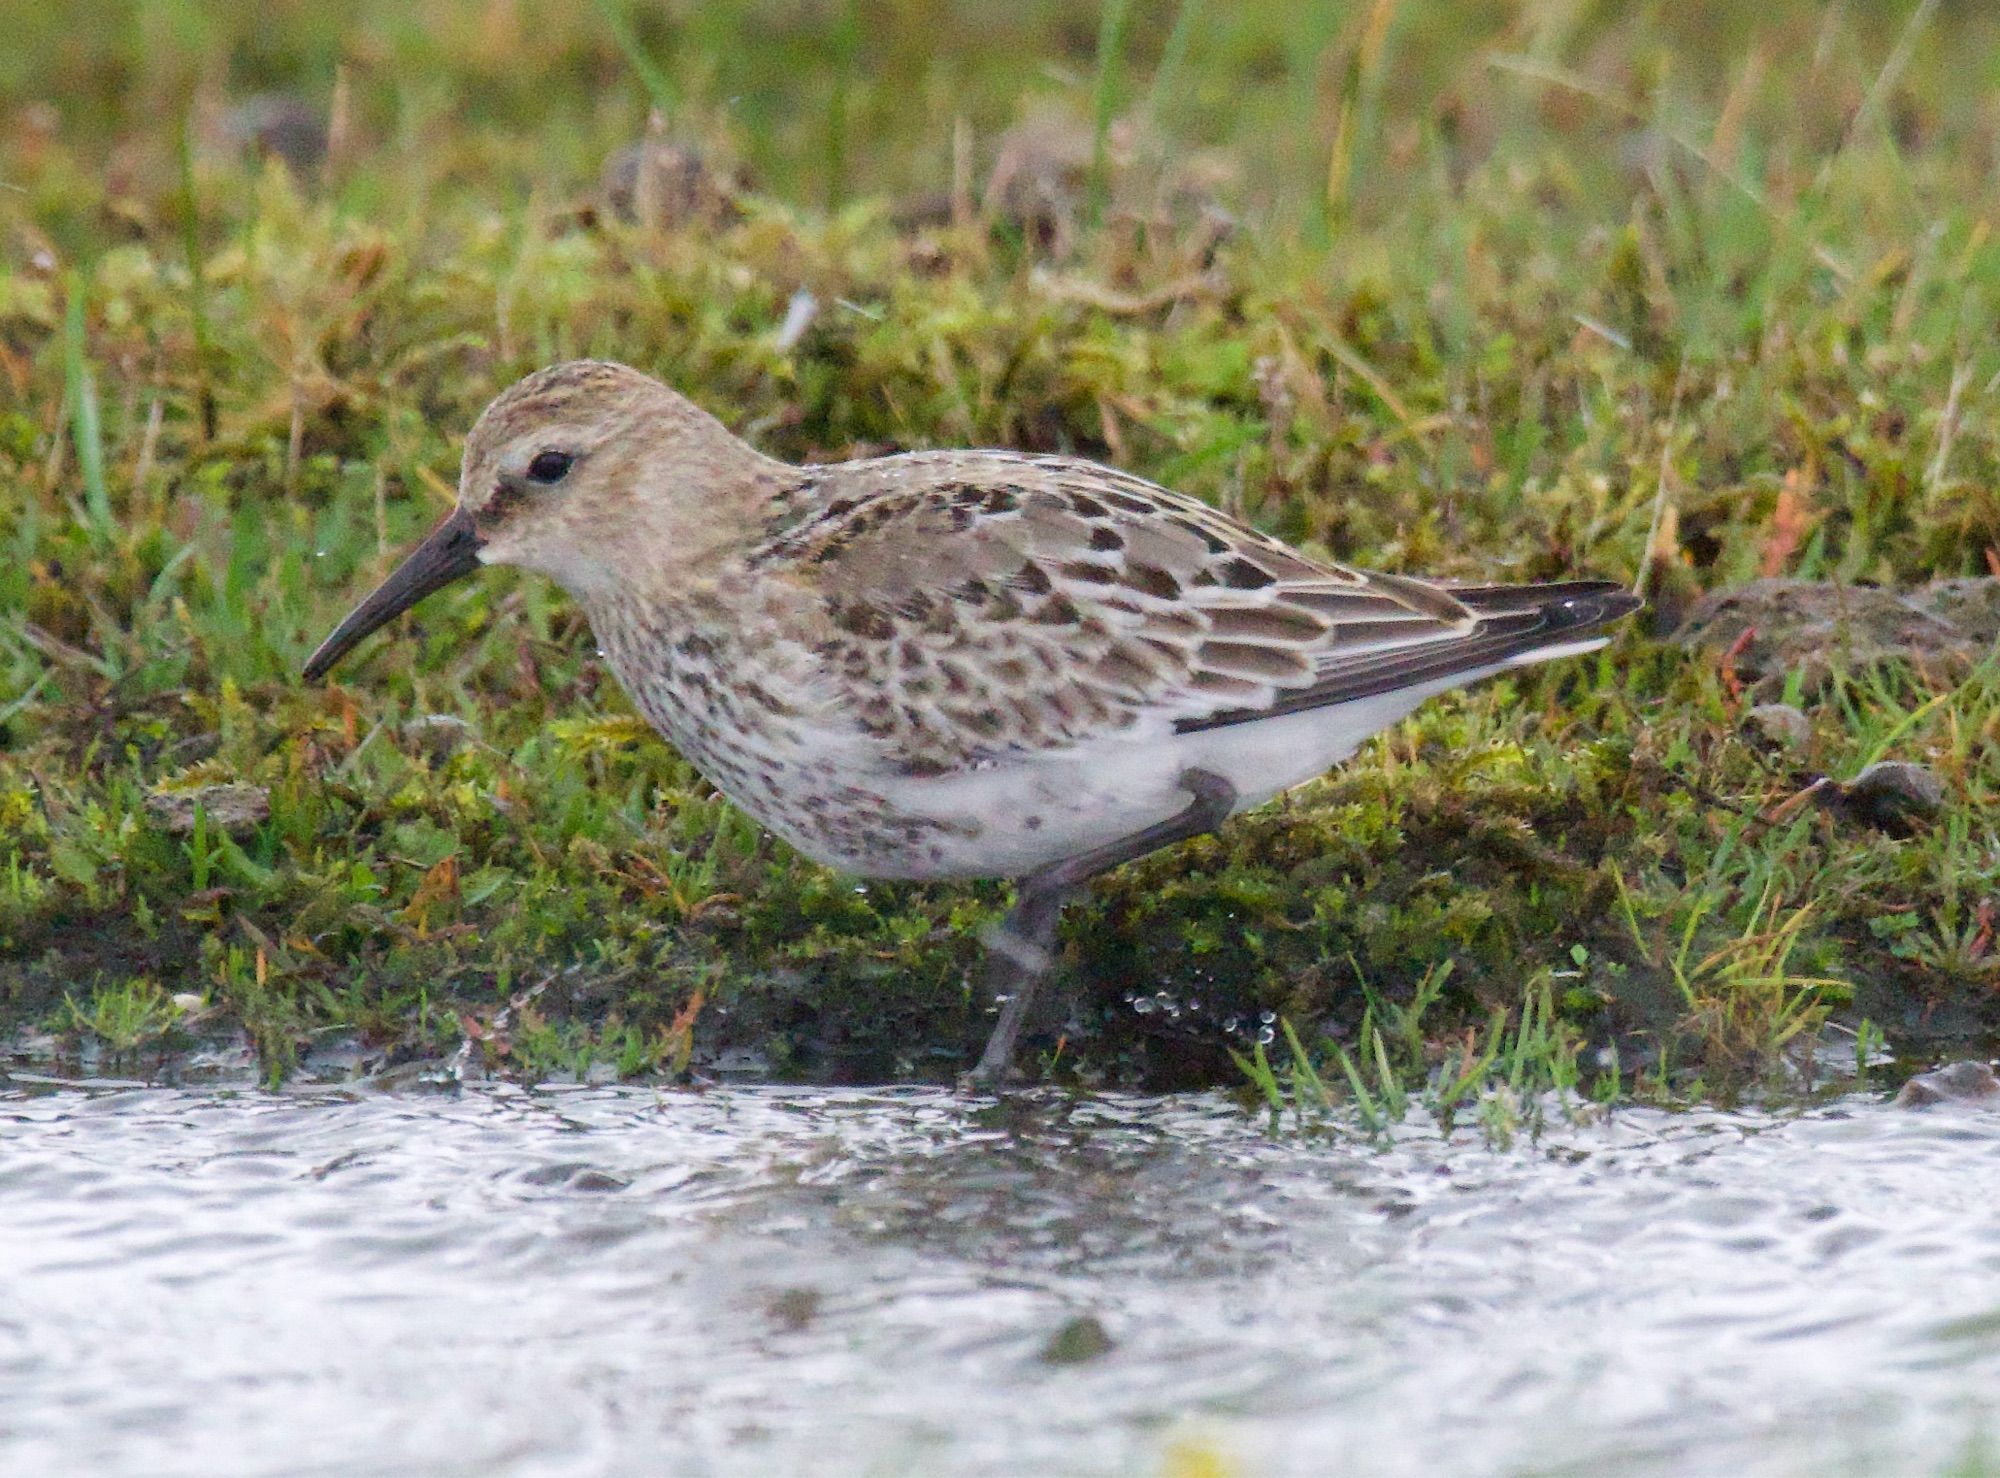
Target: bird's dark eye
(550,467)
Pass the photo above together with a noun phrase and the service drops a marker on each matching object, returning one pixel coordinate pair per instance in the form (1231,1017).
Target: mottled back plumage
(986,602)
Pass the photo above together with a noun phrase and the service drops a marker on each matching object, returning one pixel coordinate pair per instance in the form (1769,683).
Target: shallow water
(773,1281)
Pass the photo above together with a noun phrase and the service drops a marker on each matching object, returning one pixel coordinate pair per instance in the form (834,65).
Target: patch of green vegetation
(123,1018)
(1511,292)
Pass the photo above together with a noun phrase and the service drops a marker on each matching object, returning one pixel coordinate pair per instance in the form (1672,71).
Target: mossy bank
(1508,297)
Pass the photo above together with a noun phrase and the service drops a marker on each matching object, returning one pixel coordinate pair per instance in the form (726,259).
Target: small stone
(437,736)
(235,809)
(1080,1340)
(278,124)
(661,182)
(1777,726)
(1040,186)
(1801,632)
(1892,794)
(1957,1082)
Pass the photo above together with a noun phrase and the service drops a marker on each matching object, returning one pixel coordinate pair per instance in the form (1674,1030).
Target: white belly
(1026,813)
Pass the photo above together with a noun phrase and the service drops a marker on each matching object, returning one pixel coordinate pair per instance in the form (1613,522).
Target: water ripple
(752,1281)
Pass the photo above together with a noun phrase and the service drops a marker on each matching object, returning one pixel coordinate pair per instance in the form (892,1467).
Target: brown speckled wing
(984,602)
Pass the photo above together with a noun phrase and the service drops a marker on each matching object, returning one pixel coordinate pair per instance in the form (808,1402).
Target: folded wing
(984,602)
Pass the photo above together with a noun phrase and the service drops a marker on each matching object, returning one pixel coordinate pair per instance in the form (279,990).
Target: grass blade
(658,88)
(197,280)
(1104,100)
(1257,1069)
(846,43)
(1393,1097)
(1371,1113)
(85,424)
(1173,56)
(1304,1073)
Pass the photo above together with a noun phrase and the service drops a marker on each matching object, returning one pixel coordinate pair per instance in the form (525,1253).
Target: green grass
(122,1019)
(1514,291)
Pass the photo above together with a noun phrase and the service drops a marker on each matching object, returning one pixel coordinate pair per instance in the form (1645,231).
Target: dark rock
(1892,794)
(279,124)
(1773,628)
(1957,1082)
(235,809)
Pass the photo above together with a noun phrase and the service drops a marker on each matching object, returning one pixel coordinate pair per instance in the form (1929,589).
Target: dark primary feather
(1524,618)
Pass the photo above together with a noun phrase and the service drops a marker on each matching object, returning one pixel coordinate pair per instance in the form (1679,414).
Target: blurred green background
(835,98)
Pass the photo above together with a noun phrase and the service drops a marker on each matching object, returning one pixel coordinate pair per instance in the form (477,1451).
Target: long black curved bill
(451,550)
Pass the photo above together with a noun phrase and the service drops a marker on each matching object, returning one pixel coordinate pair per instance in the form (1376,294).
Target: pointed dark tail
(1513,620)
(1567,605)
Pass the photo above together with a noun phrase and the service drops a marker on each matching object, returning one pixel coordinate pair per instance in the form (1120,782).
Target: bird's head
(588,472)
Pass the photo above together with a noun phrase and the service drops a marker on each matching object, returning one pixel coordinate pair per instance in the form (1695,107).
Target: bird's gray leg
(1019,954)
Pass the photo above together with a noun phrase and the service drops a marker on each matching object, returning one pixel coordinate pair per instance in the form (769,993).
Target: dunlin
(955,664)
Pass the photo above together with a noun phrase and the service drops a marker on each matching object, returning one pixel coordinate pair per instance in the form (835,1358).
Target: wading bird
(955,664)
